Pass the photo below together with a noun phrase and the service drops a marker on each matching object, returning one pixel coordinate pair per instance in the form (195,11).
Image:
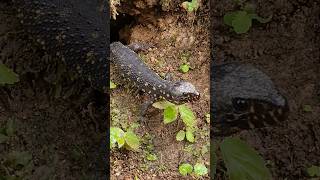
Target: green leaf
(243,162)
(200,169)
(132,140)
(187,116)
(112,85)
(307,108)
(152,157)
(19,158)
(184,68)
(314,171)
(7,76)
(170,114)
(162,104)
(116,136)
(10,127)
(3,138)
(260,19)
(189,135)
(190,6)
(185,169)
(180,135)
(228,18)
(241,22)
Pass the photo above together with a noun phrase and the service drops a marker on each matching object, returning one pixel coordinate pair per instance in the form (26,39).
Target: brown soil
(287,49)
(58,121)
(174,35)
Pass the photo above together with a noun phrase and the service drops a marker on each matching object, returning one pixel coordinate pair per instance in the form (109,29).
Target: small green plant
(185,169)
(170,114)
(184,68)
(128,139)
(112,85)
(190,6)
(7,76)
(314,171)
(242,161)
(151,157)
(307,108)
(241,20)
(199,169)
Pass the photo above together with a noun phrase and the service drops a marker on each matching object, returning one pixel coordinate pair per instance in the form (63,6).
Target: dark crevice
(116,25)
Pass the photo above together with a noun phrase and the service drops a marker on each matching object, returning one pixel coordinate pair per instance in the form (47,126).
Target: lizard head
(184,92)
(247,98)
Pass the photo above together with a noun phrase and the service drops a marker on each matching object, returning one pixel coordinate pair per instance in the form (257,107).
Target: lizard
(135,72)
(244,97)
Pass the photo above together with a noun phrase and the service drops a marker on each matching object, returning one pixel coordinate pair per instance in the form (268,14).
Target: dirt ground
(176,35)
(59,120)
(287,49)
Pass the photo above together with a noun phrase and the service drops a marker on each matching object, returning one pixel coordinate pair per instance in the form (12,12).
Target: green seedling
(189,134)
(170,114)
(307,108)
(128,139)
(185,169)
(241,20)
(151,157)
(190,6)
(184,68)
(314,171)
(7,76)
(199,169)
(112,85)
(181,135)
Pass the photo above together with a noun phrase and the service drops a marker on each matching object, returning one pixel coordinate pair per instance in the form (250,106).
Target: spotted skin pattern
(243,97)
(74,31)
(132,69)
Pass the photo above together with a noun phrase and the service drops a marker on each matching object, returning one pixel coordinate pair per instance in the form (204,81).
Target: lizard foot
(137,47)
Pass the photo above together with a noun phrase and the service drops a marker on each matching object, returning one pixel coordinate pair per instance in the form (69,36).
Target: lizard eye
(240,104)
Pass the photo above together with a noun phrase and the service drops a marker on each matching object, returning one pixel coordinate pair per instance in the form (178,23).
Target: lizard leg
(144,109)
(137,47)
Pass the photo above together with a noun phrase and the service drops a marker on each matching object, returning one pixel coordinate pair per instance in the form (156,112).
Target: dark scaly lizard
(75,31)
(134,71)
(243,97)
